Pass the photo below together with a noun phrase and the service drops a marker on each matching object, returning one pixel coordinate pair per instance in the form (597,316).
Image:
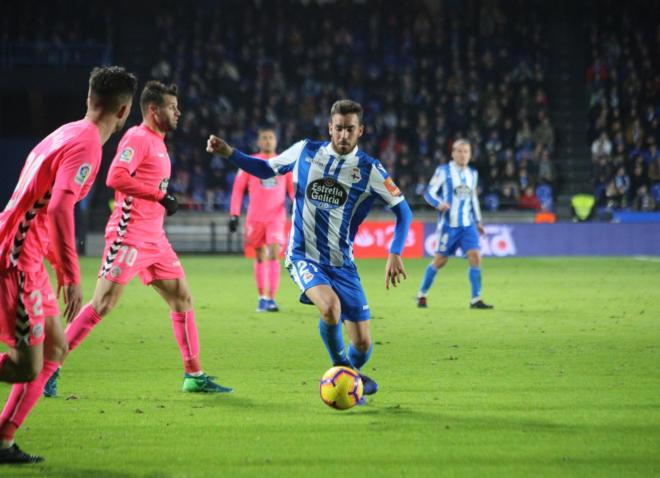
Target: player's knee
(362,344)
(183,302)
(59,350)
(28,370)
(330,311)
(439,261)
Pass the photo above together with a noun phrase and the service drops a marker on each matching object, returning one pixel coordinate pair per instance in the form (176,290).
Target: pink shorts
(150,261)
(25,323)
(260,233)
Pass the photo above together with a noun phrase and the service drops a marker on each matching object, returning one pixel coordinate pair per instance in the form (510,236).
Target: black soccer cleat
(480,304)
(15,456)
(421,302)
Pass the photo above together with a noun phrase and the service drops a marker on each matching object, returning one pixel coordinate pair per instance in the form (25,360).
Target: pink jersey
(68,159)
(141,152)
(267,196)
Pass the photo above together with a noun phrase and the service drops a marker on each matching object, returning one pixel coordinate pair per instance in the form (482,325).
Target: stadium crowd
(624,93)
(425,76)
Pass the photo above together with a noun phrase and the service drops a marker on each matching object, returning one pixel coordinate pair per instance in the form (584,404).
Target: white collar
(332,152)
(457,167)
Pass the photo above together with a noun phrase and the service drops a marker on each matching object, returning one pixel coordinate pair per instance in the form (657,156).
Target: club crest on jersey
(37,331)
(326,193)
(356,176)
(392,188)
(126,155)
(83,173)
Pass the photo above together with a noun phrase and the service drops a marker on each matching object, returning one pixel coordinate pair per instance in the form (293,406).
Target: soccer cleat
(480,304)
(15,456)
(369,387)
(203,384)
(262,306)
(50,389)
(421,302)
(272,306)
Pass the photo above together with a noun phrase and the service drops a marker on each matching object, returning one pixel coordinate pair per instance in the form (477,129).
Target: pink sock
(260,276)
(185,332)
(22,398)
(81,326)
(273,277)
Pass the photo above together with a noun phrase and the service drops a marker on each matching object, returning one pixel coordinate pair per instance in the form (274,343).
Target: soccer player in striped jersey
(335,186)
(136,243)
(453,192)
(266,218)
(36,223)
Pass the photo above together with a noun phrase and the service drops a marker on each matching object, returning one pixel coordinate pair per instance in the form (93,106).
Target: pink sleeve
(62,237)
(120,179)
(77,169)
(130,154)
(289,186)
(237,192)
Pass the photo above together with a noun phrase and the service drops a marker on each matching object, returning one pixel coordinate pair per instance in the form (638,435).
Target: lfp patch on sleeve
(392,188)
(83,173)
(126,155)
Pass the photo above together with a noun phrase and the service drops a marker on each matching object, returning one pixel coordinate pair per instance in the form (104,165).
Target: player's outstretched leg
(474,274)
(429,276)
(177,295)
(24,396)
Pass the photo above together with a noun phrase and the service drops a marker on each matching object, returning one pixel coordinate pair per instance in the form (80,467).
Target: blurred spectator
(528,200)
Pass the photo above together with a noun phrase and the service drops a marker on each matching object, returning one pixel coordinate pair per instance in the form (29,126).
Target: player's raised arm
(280,164)
(255,167)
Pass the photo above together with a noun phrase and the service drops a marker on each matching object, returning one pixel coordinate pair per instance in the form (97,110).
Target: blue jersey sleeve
(381,184)
(285,161)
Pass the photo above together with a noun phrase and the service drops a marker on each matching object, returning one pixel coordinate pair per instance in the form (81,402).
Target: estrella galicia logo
(462,191)
(326,193)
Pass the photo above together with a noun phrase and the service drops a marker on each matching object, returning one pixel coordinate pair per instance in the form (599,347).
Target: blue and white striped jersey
(333,195)
(457,187)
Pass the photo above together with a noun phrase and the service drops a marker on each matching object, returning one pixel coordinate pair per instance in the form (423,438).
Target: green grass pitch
(561,379)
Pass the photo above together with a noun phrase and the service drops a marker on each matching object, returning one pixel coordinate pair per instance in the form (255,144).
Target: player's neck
(104,123)
(153,126)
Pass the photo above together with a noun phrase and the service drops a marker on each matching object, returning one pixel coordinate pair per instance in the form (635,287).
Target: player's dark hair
(265,128)
(154,93)
(347,107)
(110,86)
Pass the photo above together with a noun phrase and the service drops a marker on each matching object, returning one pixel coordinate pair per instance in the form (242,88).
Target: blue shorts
(451,238)
(343,280)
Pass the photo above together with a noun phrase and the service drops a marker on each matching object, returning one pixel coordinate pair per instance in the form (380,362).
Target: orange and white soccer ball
(341,388)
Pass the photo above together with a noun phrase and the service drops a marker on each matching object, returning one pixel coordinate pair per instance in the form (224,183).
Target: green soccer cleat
(203,384)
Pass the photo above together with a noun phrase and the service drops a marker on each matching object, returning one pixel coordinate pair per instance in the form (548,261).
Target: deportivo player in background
(453,192)
(336,184)
(266,217)
(36,223)
(136,243)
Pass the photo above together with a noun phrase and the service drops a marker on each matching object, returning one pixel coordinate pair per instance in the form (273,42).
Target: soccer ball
(341,388)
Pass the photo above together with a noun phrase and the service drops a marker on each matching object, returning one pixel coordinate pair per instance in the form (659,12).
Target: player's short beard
(339,148)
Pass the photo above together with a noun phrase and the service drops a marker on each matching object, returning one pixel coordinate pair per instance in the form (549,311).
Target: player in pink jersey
(135,239)
(266,218)
(36,223)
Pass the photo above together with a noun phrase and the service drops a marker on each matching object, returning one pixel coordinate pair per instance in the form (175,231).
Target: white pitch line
(647,258)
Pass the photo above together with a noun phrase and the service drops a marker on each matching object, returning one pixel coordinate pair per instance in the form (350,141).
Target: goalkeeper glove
(170,204)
